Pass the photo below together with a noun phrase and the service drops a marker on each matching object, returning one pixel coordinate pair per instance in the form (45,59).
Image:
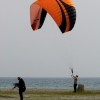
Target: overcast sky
(47,52)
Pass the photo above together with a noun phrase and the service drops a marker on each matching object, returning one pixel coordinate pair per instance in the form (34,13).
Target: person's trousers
(21,95)
(75,85)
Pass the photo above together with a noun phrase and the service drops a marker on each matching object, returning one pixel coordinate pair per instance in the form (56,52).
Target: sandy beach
(50,94)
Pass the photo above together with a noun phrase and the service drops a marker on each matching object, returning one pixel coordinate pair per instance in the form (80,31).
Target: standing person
(21,86)
(75,81)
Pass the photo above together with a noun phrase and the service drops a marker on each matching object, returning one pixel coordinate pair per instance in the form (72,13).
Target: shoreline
(31,88)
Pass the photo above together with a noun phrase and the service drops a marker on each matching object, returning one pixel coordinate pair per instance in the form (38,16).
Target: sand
(50,94)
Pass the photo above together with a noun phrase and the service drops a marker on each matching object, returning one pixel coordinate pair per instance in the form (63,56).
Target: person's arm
(16,85)
(73,76)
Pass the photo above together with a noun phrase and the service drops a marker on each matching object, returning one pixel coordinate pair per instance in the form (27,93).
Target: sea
(50,83)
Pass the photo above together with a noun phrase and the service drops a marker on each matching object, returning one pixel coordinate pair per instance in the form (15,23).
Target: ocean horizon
(50,83)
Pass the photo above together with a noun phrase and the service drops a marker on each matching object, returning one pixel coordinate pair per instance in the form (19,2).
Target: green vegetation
(51,92)
(54,94)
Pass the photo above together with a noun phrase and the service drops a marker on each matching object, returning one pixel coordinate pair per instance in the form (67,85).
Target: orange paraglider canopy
(62,11)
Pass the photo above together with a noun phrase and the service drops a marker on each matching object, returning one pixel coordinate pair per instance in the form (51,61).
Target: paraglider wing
(37,16)
(62,11)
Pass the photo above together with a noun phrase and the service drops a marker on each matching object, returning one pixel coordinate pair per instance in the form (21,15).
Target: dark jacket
(21,85)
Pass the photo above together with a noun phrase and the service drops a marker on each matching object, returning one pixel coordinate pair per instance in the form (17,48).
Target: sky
(47,52)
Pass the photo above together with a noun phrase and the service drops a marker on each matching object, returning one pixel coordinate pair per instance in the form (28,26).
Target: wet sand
(50,94)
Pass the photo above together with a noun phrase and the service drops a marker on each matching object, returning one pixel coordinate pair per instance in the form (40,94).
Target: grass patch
(51,92)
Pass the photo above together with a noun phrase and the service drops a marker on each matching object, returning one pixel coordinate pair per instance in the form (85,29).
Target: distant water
(51,83)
